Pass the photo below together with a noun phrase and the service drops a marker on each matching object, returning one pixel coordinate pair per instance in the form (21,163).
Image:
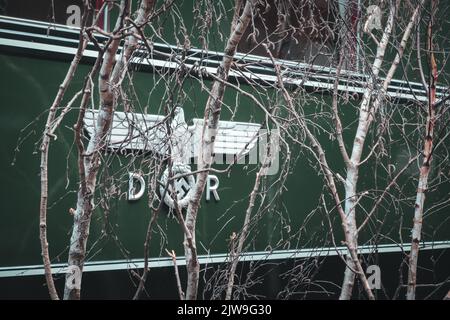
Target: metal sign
(180,142)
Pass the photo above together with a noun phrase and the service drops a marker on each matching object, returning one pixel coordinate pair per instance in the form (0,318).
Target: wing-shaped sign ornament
(143,132)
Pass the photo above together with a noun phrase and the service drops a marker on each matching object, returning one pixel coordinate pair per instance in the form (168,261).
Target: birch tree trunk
(50,127)
(426,165)
(329,178)
(205,156)
(109,79)
(367,112)
(365,119)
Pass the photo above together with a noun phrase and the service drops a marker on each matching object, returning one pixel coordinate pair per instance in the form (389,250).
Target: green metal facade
(29,81)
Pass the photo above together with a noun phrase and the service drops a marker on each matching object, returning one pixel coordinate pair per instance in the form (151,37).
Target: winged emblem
(174,138)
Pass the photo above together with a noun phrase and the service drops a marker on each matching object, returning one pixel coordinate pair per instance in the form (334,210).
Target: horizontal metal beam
(163,262)
(60,39)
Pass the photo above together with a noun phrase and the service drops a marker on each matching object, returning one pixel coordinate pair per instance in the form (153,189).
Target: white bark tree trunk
(425,168)
(50,127)
(367,112)
(205,157)
(365,119)
(109,79)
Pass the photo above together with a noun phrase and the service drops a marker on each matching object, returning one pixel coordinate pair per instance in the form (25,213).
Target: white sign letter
(212,188)
(132,194)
